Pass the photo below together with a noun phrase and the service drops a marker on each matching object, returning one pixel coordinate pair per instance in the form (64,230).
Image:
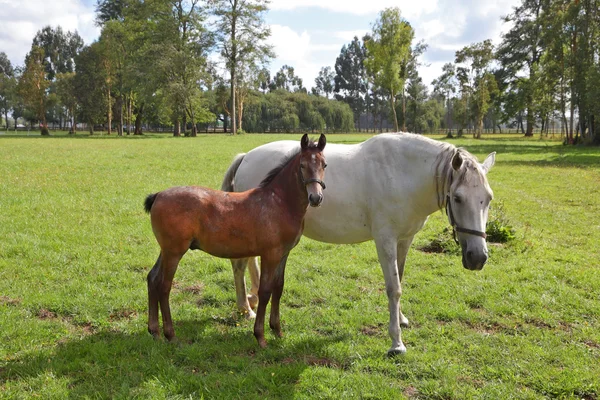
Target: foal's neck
(287,186)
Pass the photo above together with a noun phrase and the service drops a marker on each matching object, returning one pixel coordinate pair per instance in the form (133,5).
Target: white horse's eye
(457,200)
(324,166)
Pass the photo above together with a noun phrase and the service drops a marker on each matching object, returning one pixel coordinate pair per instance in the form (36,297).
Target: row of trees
(151,64)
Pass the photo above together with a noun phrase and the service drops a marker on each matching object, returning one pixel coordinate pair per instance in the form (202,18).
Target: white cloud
(22,20)
(348,36)
(409,8)
(296,50)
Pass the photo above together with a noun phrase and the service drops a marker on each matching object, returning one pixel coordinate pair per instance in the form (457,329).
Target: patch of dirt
(9,301)
(196,288)
(411,392)
(46,314)
(372,330)
(591,343)
(122,314)
(320,361)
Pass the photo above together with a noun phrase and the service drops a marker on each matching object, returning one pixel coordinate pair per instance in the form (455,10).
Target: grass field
(76,245)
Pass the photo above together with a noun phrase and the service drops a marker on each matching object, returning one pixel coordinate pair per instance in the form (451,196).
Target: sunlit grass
(75,247)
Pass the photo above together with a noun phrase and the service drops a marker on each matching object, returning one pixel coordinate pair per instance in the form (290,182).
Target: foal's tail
(149,201)
(227,185)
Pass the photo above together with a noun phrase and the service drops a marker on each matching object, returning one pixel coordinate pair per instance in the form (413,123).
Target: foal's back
(227,225)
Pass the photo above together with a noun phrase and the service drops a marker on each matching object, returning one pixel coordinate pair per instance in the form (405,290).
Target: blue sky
(306,34)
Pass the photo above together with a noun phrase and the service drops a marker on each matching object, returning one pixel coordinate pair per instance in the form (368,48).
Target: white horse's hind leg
(239,269)
(387,253)
(254,271)
(403,246)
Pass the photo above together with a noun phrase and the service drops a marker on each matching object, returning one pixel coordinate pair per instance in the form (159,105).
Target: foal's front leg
(267,267)
(278,278)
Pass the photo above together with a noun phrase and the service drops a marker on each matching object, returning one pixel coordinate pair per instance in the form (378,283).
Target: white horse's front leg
(239,269)
(403,246)
(387,253)
(254,271)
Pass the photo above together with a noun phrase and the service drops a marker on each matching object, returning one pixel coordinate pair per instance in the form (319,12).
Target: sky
(305,34)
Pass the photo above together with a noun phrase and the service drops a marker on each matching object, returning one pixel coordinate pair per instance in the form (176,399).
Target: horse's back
(368,183)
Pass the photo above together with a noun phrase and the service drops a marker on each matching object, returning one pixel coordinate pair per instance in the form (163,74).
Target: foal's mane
(288,158)
(445,174)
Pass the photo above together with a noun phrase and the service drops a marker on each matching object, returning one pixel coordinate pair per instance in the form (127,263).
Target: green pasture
(76,245)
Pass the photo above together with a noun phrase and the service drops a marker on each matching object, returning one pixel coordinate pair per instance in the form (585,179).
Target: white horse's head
(467,203)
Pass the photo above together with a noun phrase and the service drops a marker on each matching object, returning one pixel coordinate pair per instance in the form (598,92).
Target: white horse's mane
(445,174)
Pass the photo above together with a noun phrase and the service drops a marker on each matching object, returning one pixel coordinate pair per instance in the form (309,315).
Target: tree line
(151,66)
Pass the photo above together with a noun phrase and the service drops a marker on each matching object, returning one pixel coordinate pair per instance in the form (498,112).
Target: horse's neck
(427,158)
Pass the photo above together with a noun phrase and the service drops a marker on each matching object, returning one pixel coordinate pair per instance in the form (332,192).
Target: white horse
(382,189)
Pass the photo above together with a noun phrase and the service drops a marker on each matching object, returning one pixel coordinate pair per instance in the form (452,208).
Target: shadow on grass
(114,364)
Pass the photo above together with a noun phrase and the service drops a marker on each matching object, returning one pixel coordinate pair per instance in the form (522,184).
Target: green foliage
(281,111)
(388,52)
(499,229)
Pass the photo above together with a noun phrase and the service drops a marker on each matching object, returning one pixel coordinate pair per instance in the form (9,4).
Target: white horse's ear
(457,161)
(489,161)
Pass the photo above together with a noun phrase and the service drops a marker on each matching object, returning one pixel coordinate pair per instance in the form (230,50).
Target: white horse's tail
(227,185)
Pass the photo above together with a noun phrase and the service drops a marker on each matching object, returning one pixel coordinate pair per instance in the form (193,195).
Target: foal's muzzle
(315,199)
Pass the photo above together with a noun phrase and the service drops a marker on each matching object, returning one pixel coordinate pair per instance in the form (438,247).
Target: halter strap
(456,228)
(310,180)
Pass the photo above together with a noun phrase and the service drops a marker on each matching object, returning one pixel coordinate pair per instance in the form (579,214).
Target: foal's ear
(457,161)
(489,161)
(304,142)
(322,142)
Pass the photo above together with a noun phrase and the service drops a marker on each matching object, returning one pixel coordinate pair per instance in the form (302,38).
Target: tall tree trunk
(120,116)
(138,120)
(403,112)
(109,129)
(393,105)
(176,128)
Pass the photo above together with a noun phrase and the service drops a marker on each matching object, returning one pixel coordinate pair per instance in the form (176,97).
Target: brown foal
(266,221)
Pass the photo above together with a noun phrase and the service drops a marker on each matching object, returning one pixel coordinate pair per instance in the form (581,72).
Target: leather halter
(311,180)
(456,228)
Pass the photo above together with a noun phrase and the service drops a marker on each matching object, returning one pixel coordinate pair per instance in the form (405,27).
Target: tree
(387,52)
(445,86)
(242,35)
(477,81)
(521,49)
(33,85)
(65,89)
(350,77)
(287,80)
(7,85)
(325,81)
(90,82)
(59,48)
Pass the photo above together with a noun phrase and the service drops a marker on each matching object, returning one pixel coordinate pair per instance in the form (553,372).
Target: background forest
(188,65)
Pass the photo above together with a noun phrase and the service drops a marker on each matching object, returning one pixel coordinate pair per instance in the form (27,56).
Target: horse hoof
(252,300)
(396,352)
(262,343)
(250,314)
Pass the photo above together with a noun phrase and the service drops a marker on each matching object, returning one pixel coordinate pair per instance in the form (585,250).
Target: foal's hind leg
(160,280)
(153,299)
(239,269)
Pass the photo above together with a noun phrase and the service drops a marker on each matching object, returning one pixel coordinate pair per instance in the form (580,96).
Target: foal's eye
(325,166)
(301,166)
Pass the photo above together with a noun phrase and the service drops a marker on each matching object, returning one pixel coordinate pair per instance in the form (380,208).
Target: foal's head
(312,168)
